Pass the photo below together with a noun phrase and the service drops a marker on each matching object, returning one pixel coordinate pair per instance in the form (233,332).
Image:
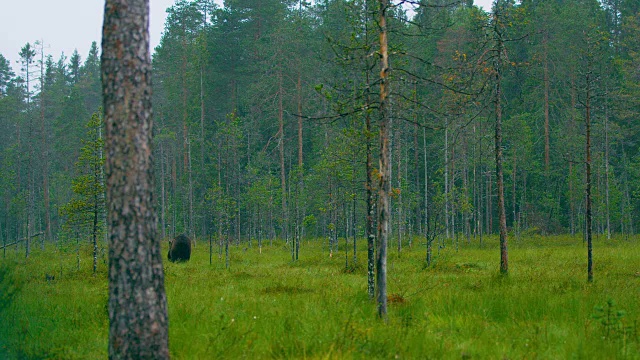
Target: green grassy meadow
(266,306)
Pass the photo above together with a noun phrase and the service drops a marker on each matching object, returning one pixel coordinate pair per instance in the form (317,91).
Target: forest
(300,144)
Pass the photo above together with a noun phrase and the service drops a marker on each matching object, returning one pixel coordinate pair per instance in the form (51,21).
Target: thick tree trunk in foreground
(137,301)
(384,170)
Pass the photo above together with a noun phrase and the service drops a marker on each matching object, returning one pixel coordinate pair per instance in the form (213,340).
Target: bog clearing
(265,306)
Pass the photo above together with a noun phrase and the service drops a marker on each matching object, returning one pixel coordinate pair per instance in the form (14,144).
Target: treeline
(265,118)
(45,106)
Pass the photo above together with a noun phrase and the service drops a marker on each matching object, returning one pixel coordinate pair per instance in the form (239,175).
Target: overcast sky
(65,25)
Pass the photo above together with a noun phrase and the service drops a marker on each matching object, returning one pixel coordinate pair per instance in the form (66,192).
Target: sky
(62,25)
(66,25)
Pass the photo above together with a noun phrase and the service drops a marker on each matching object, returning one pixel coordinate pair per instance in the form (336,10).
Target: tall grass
(265,306)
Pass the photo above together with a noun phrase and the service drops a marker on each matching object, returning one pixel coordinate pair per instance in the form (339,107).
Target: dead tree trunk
(384,168)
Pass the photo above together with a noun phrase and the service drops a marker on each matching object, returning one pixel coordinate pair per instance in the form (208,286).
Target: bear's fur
(179,249)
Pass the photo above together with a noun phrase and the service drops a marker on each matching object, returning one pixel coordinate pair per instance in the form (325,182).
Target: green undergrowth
(266,306)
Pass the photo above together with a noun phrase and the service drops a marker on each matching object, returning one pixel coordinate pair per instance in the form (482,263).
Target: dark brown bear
(179,249)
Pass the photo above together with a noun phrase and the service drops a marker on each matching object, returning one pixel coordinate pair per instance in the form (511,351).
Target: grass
(265,306)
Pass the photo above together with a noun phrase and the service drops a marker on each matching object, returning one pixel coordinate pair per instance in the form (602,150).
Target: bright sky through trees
(63,25)
(71,24)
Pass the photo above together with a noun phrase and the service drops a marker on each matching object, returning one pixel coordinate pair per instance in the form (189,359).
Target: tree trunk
(513,184)
(174,186)
(416,177)
(370,216)
(137,301)
(446,178)
(606,163)
(588,219)
(18,223)
(283,178)
(572,132)
(45,151)
(299,212)
(384,168)
(163,207)
(202,141)
(467,214)
(502,218)
(191,227)
(398,149)
(369,227)
(627,196)
(27,54)
(480,213)
(427,230)
(546,105)
(353,221)
(96,213)
(572,228)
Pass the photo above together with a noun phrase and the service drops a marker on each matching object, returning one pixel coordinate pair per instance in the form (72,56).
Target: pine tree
(138,321)
(85,210)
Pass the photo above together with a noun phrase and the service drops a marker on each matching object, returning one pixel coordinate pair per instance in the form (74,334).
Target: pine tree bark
(137,302)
